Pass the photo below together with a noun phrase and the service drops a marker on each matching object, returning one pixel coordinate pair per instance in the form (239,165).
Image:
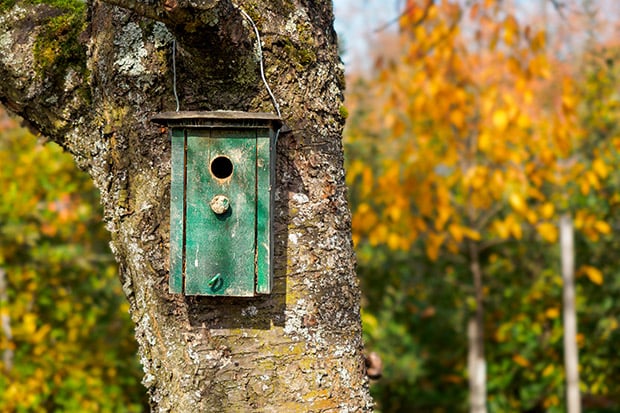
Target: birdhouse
(221,202)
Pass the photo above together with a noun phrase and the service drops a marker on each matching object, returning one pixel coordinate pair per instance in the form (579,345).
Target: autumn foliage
(66,343)
(464,148)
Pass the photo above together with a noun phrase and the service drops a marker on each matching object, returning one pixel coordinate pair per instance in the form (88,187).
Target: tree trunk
(476,362)
(5,323)
(571,357)
(91,77)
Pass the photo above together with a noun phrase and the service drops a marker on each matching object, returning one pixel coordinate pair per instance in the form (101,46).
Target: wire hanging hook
(260,60)
(174,72)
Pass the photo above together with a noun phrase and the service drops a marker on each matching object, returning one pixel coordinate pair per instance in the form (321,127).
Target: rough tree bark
(90,77)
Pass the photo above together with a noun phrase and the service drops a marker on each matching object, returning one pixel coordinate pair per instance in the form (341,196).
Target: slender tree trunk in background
(5,323)
(476,362)
(571,356)
(90,77)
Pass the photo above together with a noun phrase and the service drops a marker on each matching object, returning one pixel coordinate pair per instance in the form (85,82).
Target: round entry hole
(221,167)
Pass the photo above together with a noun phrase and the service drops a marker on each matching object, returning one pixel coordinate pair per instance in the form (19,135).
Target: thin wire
(174,72)
(260,59)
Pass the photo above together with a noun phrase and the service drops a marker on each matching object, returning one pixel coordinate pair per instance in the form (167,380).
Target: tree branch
(427,9)
(180,13)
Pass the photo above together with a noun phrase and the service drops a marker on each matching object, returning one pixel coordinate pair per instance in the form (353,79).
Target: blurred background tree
(465,144)
(66,340)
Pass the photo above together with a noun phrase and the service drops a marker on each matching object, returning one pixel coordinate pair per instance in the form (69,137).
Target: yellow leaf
(363,208)
(456,231)
(500,119)
(511,30)
(369,320)
(593,179)
(538,41)
(394,212)
(457,117)
(471,234)
(378,235)
(593,274)
(443,215)
(393,241)
(553,312)
(580,219)
(501,228)
(568,102)
(433,244)
(514,227)
(547,210)
(602,227)
(547,231)
(485,141)
(517,203)
(29,323)
(600,168)
(584,187)
(40,334)
(520,360)
(548,370)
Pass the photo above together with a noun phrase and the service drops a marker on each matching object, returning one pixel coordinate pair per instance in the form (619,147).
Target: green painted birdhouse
(221,202)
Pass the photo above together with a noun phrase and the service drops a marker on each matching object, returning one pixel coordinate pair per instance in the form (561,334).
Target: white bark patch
(293,20)
(148,380)
(300,198)
(146,326)
(294,316)
(131,50)
(194,356)
(249,311)
(161,37)
(344,376)
(293,238)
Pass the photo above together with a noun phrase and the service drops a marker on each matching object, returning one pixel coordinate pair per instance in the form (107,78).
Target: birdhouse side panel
(177,210)
(264,211)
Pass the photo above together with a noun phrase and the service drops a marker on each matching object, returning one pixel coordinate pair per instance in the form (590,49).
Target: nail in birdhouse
(221,202)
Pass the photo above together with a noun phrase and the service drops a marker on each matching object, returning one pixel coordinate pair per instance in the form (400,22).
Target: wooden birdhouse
(221,202)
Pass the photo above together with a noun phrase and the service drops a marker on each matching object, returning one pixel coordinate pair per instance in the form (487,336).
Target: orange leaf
(520,360)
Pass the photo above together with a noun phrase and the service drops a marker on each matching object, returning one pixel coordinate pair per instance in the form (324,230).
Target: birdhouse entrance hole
(221,167)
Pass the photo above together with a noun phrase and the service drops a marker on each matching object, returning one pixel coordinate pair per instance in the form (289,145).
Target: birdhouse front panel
(221,212)
(222,177)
